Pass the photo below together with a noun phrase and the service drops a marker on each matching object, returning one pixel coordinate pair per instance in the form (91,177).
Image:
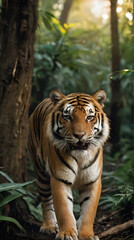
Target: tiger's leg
(89,199)
(49,224)
(63,204)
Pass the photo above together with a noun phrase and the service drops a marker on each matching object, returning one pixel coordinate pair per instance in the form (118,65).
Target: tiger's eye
(67,117)
(90,118)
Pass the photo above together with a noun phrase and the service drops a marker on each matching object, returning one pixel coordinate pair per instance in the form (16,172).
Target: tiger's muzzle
(79,146)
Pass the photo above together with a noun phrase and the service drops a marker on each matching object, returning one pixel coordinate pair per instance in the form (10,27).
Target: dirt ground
(104,221)
(107,220)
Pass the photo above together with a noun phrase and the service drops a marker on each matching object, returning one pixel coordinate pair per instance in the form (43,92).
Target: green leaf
(59,44)
(36,211)
(10,186)
(49,14)
(47,23)
(6,176)
(13,220)
(10,198)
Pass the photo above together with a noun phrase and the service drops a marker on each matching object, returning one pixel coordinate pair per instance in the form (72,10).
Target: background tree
(65,11)
(18,23)
(115,80)
(76,58)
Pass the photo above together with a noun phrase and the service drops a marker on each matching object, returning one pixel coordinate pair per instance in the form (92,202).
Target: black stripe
(87,184)
(42,151)
(50,209)
(73,101)
(43,181)
(64,181)
(58,129)
(35,132)
(86,166)
(61,180)
(40,164)
(64,162)
(53,121)
(102,120)
(31,144)
(40,169)
(70,199)
(83,101)
(56,135)
(45,195)
(99,135)
(74,159)
(86,99)
(96,109)
(47,200)
(85,199)
(44,114)
(102,123)
(99,118)
(44,190)
(57,118)
(37,166)
(39,111)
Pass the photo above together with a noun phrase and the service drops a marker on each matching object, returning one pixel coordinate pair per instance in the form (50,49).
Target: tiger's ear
(100,97)
(56,96)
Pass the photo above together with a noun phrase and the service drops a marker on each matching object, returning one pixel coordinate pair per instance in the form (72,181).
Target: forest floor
(117,225)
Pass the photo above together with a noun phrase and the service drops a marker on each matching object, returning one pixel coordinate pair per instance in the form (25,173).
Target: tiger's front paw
(48,230)
(67,235)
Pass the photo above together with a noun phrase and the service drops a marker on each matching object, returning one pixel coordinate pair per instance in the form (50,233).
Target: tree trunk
(17,33)
(65,12)
(115,82)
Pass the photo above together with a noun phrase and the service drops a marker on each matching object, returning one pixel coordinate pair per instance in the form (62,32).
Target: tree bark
(115,81)
(18,23)
(65,12)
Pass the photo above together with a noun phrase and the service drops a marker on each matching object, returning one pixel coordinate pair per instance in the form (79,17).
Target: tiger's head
(77,121)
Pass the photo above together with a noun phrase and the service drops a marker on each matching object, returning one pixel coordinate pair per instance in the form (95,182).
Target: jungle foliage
(76,57)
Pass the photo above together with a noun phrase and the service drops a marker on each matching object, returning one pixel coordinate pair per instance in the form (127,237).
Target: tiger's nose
(79,135)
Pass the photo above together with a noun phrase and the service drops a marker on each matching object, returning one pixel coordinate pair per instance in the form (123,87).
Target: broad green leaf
(49,14)
(6,176)
(10,198)
(36,211)
(47,23)
(10,186)
(13,220)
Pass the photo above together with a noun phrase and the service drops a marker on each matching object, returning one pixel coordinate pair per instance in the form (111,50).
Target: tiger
(66,138)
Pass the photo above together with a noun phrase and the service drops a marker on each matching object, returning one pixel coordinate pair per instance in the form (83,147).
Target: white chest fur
(88,167)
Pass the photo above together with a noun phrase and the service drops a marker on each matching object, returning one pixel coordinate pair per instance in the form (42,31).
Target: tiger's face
(78,121)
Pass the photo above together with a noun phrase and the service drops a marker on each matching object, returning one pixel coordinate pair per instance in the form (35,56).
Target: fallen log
(117,229)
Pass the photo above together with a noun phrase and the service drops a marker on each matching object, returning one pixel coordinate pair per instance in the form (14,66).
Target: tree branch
(117,229)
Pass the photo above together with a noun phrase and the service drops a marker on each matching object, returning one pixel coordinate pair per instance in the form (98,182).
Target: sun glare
(120,2)
(129,16)
(119,9)
(97,8)
(105,16)
(100,9)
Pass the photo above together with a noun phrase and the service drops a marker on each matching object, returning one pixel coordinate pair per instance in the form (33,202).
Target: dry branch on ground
(117,229)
